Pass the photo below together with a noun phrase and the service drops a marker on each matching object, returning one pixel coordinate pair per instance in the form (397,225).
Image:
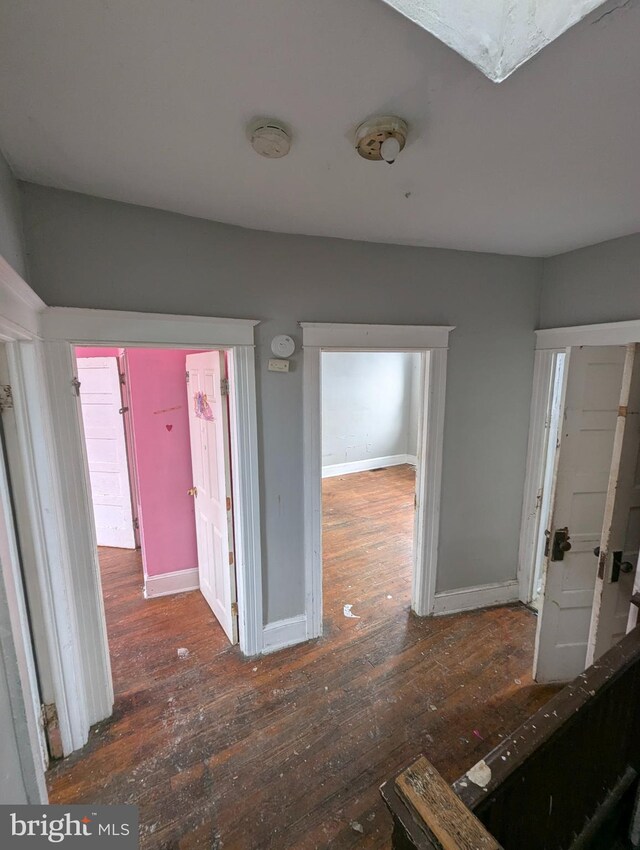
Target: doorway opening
(371,402)
(157,442)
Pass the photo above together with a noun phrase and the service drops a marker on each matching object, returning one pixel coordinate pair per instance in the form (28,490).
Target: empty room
(370,418)
(319,392)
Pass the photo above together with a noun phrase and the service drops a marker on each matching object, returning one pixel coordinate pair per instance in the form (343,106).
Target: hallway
(288,750)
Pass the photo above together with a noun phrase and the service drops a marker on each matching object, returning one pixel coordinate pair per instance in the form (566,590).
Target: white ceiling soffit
(497,36)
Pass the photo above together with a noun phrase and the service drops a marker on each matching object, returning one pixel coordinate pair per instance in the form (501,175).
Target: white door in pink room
(101,403)
(207,389)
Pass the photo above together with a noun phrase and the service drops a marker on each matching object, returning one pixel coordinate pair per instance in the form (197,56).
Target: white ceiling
(146,101)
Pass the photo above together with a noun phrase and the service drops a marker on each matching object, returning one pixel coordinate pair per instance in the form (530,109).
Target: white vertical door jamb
(77,517)
(246,496)
(429,485)
(54,574)
(312,443)
(17,652)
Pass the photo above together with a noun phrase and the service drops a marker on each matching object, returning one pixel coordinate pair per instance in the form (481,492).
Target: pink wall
(97,352)
(160,423)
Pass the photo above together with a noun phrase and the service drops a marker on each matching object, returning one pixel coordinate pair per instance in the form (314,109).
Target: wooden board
(453,825)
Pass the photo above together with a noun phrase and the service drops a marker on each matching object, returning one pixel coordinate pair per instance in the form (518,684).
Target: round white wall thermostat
(283,346)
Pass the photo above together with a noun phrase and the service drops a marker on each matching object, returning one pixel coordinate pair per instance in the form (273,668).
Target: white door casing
(211,465)
(101,402)
(620,541)
(591,393)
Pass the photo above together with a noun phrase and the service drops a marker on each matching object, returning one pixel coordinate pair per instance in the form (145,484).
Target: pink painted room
(158,453)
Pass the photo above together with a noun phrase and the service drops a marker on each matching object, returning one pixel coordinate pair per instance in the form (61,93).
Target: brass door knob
(192,491)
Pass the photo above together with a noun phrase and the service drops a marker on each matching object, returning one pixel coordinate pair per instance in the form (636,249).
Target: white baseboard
(283,633)
(334,469)
(177,582)
(470,598)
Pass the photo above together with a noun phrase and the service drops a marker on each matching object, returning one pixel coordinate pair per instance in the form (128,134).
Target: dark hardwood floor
(288,750)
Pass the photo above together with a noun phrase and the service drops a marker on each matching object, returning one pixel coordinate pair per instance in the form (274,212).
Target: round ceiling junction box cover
(371,135)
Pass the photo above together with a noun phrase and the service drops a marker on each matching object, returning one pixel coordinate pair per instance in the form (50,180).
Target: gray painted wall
(600,283)
(13,781)
(87,252)
(367,405)
(11,247)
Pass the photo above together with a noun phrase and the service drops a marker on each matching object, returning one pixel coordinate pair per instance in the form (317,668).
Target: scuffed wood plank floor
(288,750)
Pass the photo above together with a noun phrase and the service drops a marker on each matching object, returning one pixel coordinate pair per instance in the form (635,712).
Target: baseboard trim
(470,598)
(166,583)
(282,633)
(334,469)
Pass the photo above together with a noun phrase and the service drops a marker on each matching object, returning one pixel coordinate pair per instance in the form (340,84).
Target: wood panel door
(101,403)
(211,465)
(591,395)
(620,540)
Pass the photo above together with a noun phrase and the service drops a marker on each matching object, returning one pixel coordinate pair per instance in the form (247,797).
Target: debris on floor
(183,652)
(480,774)
(356,827)
(349,613)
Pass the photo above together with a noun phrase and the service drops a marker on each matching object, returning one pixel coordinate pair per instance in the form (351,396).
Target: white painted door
(211,464)
(591,394)
(101,402)
(620,541)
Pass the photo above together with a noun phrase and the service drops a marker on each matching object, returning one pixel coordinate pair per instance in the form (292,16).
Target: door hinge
(230,559)
(234,609)
(228,503)
(224,386)
(75,383)
(6,397)
(123,410)
(51,726)
(187,376)
(123,379)
(136,523)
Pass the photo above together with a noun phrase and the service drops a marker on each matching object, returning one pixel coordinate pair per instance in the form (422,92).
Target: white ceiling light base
(381,138)
(269,138)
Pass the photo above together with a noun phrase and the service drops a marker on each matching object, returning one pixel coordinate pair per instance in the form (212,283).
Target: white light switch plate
(278,365)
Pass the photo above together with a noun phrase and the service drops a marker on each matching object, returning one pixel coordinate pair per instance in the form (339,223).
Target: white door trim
(549,342)
(156,330)
(19,316)
(64,328)
(318,337)
(609,333)
(17,655)
(26,366)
